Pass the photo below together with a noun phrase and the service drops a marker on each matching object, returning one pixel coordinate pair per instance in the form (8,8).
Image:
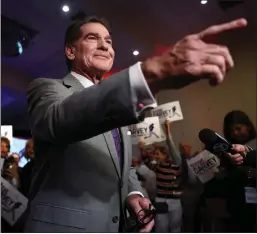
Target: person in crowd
(192,191)
(82,149)
(26,173)
(239,129)
(5,147)
(168,185)
(10,165)
(146,170)
(233,176)
(16,156)
(138,165)
(168,191)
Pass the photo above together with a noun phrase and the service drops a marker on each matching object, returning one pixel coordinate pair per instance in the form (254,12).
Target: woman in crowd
(238,129)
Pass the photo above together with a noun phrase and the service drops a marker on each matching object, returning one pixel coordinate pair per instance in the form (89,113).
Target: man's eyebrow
(108,37)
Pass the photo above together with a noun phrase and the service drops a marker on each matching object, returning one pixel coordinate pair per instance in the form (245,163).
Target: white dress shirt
(139,88)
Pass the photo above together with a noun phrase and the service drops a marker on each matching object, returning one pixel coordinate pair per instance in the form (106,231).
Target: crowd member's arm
(171,145)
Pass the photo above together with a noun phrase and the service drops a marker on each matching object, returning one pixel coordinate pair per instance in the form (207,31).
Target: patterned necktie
(116,137)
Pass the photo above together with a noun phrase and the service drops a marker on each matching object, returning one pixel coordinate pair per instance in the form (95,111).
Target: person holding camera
(10,165)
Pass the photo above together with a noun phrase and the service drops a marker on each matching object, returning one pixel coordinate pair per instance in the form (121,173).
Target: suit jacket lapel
(111,145)
(126,145)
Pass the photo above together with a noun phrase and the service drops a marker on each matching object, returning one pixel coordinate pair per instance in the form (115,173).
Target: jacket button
(115,219)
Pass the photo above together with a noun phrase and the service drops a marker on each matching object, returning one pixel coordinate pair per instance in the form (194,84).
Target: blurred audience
(5,147)
(10,165)
(26,173)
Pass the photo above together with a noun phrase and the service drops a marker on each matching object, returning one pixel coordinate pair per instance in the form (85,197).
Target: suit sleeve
(58,116)
(134,185)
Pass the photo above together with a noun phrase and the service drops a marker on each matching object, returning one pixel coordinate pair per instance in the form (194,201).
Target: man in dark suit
(82,176)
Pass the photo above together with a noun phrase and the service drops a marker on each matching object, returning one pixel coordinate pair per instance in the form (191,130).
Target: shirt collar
(83,80)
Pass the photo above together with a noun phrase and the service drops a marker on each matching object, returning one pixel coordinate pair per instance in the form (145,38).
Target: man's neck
(92,78)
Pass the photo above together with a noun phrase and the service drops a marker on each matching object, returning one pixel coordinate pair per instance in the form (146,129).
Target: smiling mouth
(102,57)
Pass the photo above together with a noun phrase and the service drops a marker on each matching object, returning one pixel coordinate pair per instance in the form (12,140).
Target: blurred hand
(185,149)
(11,172)
(197,152)
(194,58)
(135,204)
(238,158)
(239,148)
(141,144)
(167,122)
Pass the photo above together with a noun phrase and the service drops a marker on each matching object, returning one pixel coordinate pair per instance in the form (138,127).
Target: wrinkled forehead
(96,29)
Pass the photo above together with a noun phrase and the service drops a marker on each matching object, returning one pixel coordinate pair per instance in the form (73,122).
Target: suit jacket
(78,184)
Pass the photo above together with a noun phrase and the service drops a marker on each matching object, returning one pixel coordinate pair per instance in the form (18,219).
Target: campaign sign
(204,165)
(13,202)
(170,111)
(149,131)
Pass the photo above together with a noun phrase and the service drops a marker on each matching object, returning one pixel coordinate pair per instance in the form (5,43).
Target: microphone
(215,143)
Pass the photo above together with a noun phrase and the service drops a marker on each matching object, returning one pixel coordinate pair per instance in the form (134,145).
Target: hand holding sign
(193,58)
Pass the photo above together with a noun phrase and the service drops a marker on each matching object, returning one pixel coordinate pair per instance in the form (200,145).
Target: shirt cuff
(142,96)
(136,192)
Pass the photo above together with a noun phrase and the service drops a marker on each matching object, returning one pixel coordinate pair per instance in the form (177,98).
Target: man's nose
(103,45)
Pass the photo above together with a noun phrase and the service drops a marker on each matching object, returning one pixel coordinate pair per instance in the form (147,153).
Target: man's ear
(69,51)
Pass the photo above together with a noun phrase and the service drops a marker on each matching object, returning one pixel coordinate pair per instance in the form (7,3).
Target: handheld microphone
(215,143)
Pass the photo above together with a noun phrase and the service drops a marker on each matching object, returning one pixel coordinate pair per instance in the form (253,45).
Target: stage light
(204,1)
(135,52)
(65,8)
(20,48)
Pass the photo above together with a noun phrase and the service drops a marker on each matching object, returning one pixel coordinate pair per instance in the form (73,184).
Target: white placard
(13,202)
(250,195)
(149,131)
(7,131)
(204,165)
(170,111)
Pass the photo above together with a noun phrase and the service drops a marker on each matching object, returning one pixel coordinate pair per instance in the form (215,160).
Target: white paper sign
(250,195)
(7,131)
(170,111)
(13,202)
(149,131)
(204,165)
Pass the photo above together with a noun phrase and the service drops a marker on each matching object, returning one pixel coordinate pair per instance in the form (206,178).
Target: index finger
(217,29)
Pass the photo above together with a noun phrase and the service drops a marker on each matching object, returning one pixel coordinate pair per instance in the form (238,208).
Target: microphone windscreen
(207,136)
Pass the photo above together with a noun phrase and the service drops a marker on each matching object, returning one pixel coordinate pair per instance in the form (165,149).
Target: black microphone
(215,143)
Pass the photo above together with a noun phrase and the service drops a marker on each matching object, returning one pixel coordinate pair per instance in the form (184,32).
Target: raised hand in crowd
(11,173)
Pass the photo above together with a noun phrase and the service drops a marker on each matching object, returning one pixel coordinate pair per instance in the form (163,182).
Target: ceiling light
(204,1)
(135,52)
(65,8)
